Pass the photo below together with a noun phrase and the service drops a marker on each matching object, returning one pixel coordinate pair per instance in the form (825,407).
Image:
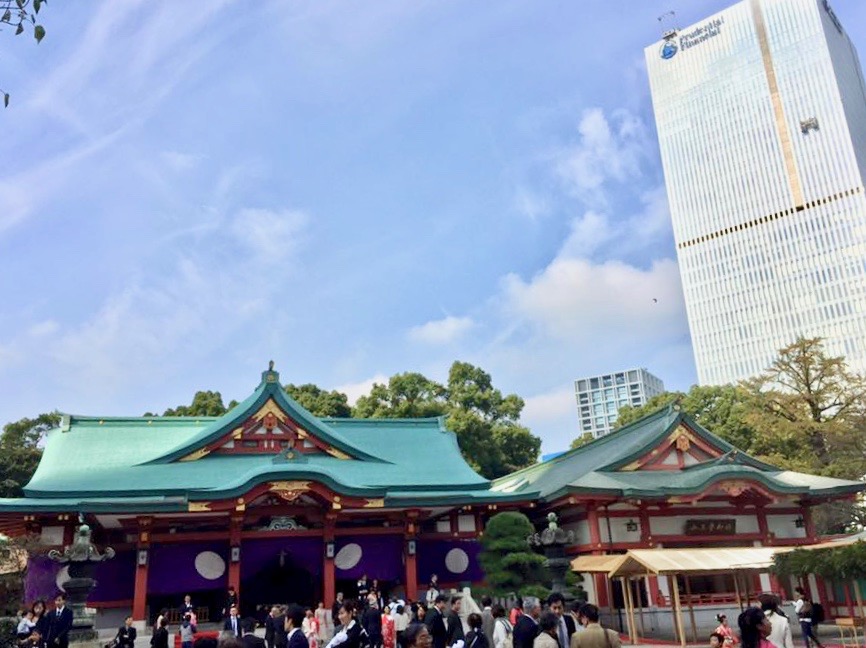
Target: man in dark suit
(250,640)
(270,627)
(565,627)
(526,628)
(371,621)
(126,634)
(232,623)
(60,624)
(294,621)
(455,625)
(435,621)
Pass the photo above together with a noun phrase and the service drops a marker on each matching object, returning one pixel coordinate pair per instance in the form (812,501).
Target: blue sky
(349,189)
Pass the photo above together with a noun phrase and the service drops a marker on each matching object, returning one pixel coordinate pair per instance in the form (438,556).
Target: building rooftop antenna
(668,21)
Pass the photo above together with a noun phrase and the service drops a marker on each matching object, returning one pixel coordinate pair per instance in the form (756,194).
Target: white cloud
(576,299)
(530,204)
(355,390)
(443,331)
(269,234)
(552,405)
(608,149)
(183,312)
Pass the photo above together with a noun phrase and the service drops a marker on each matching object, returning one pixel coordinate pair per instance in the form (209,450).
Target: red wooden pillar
(595,544)
(139,597)
(809,523)
(236,525)
(411,548)
(764,527)
(329,574)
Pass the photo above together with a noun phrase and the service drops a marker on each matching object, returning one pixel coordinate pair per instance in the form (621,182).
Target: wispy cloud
(441,331)
(361,388)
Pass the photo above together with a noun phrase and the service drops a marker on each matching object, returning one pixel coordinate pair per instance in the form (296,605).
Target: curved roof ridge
(595,444)
(269,388)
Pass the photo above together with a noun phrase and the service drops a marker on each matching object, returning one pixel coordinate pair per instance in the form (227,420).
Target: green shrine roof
(157,464)
(611,465)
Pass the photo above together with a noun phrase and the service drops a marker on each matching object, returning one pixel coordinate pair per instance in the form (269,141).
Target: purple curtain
(306,553)
(380,557)
(115,579)
(447,559)
(188,567)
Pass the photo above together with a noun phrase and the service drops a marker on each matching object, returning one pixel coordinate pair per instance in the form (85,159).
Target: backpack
(818,614)
(508,642)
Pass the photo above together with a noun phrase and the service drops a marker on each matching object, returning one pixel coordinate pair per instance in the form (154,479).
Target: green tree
(485,421)
(204,403)
(809,409)
(320,402)
(722,409)
(20,451)
(21,14)
(508,562)
(582,440)
(407,395)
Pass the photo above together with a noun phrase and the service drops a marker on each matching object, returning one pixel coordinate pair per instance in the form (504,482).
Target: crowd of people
(768,626)
(374,620)
(40,627)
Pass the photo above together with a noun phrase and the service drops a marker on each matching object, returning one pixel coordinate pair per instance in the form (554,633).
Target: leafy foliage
(320,402)
(486,422)
(582,440)
(507,560)
(845,563)
(20,452)
(21,14)
(806,412)
(14,550)
(204,403)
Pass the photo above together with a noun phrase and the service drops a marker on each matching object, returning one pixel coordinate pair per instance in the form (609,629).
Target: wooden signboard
(710,527)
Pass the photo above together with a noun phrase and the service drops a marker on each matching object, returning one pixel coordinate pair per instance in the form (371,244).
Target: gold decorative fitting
(241,507)
(336,506)
(237,433)
(198,507)
(336,453)
(240,500)
(195,456)
(144,536)
(270,407)
(337,498)
(289,491)
(302,433)
(290,455)
(374,503)
(684,444)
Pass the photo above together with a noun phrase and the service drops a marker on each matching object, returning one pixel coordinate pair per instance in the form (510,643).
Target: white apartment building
(761,117)
(600,397)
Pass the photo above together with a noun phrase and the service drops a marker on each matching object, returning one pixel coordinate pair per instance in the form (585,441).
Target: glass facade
(761,117)
(600,397)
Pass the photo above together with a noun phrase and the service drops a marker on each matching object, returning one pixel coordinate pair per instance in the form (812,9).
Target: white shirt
(501,630)
(341,637)
(780,635)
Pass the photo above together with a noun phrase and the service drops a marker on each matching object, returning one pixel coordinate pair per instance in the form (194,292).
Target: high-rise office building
(761,117)
(600,397)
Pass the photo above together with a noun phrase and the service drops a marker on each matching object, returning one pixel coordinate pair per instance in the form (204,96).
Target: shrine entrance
(280,571)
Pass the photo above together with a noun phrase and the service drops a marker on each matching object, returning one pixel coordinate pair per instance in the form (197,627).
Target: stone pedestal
(81,557)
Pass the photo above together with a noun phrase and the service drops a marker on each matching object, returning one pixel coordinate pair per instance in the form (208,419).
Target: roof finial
(271,365)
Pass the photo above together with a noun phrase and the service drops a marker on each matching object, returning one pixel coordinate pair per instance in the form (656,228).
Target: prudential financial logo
(669,50)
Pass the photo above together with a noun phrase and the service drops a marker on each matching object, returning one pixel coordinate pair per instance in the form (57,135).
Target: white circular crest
(62,578)
(457,561)
(348,556)
(210,565)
